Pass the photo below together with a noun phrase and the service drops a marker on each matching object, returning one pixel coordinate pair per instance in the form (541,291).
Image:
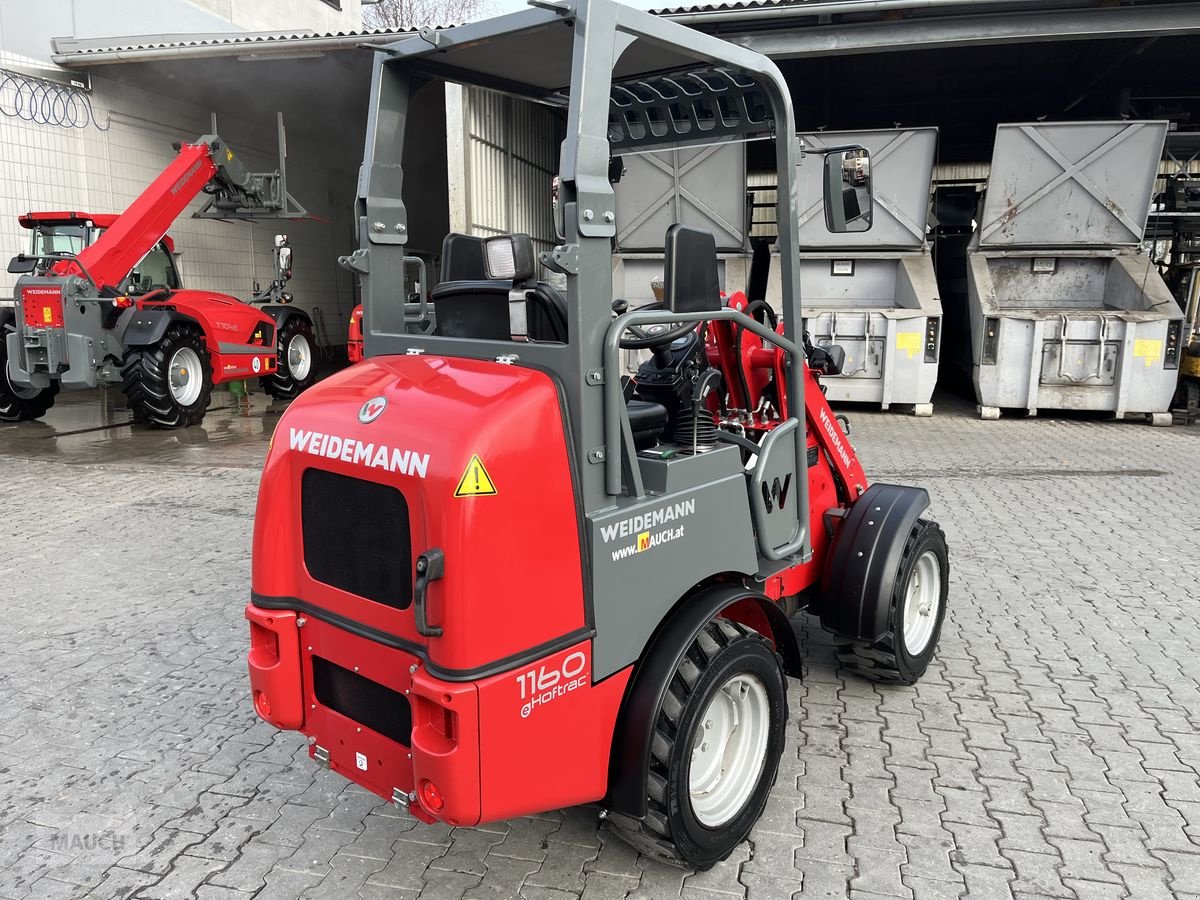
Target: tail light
(274,661)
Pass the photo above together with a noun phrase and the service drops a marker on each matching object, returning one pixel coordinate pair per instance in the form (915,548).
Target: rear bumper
(528,740)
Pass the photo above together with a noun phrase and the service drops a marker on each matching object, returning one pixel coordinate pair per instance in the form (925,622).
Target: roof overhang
(74,52)
(800,28)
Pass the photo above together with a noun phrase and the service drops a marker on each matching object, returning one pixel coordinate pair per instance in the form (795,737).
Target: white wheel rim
(299,357)
(922,602)
(730,750)
(21,392)
(185,376)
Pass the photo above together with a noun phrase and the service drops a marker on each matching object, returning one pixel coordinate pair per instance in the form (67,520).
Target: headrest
(462,258)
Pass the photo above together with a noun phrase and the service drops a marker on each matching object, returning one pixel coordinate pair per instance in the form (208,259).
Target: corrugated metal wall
(510,155)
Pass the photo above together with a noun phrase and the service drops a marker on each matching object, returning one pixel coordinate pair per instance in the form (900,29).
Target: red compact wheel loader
(495,576)
(100,301)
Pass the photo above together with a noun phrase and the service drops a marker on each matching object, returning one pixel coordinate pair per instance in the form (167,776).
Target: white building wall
(276,15)
(46,167)
(27,26)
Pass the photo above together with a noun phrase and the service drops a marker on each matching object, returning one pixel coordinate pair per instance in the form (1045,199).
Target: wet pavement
(1051,750)
(95,428)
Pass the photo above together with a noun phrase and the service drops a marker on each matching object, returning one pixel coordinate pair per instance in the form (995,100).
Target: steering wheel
(645,339)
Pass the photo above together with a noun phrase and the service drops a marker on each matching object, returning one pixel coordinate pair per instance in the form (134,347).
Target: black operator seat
(469,304)
(691,283)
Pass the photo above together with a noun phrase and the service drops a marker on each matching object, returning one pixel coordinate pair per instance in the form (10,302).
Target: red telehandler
(493,576)
(100,301)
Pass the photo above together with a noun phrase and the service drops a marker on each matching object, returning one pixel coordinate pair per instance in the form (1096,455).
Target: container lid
(901,170)
(1071,184)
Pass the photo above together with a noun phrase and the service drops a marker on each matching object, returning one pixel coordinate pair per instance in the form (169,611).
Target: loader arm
(137,230)
(209,165)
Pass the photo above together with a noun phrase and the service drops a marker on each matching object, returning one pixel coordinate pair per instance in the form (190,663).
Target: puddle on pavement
(94,427)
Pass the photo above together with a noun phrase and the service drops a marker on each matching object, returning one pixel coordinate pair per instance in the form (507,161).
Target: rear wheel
(296,368)
(716,747)
(170,383)
(918,608)
(17,402)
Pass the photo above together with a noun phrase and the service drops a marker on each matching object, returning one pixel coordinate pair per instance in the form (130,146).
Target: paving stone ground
(1052,750)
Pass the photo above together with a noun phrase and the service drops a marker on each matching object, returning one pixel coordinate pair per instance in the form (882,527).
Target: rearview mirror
(21,264)
(848,190)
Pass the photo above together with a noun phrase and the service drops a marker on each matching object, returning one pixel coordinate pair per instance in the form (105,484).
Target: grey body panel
(687,536)
(1065,312)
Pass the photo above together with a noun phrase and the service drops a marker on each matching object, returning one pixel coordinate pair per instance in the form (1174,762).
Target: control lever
(431,565)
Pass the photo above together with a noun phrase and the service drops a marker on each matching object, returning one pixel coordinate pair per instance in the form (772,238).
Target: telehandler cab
(492,576)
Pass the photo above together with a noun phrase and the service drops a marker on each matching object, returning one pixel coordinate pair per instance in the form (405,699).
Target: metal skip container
(704,187)
(874,292)
(1065,312)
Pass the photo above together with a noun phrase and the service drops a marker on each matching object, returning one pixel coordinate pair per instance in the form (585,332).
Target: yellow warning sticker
(475,482)
(908,340)
(47,314)
(1149,348)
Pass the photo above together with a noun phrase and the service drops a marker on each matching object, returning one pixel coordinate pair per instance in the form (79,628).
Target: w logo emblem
(372,410)
(776,494)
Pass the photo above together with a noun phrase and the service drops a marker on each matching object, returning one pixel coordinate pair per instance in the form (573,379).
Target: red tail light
(274,661)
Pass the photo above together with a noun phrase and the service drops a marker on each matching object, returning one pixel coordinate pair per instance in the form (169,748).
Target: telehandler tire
(169,384)
(296,367)
(918,607)
(20,404)
(716,747)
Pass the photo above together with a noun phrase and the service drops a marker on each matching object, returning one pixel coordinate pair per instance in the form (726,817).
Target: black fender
(864,557)
(8,316)
(147,326)
(282,312)
(629,760)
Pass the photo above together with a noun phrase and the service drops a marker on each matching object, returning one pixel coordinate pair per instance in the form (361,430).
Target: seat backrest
(480,309)
(462,258)
(691,282)
(472,309)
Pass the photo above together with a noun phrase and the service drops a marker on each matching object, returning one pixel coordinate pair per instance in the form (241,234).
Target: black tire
(671,831)
(283,384)
(890,659)
(146,379)
(19,404)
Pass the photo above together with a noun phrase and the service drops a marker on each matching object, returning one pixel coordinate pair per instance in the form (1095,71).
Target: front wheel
(296,369)
(17,402)
(917,610)
(169,384)
(715,753)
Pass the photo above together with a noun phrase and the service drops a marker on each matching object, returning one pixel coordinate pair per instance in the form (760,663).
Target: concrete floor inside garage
(1052,750)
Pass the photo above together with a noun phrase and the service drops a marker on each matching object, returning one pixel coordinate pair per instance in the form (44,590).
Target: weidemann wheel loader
(492,576)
